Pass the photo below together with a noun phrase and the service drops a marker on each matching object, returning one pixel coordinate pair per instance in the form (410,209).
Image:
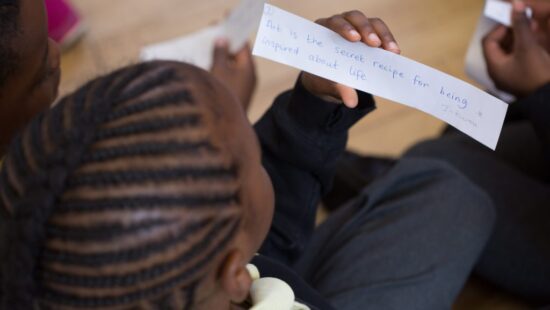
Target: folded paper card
(198,47)
(297,42)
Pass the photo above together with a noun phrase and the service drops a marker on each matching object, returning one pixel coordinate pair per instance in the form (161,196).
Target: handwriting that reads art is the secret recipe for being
(358,61)
(294,41)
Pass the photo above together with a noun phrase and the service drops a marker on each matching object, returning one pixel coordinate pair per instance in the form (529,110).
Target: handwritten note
(297,42)
(501,11)
(198,47)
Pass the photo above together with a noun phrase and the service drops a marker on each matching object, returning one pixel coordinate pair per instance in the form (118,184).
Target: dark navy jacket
(302,137)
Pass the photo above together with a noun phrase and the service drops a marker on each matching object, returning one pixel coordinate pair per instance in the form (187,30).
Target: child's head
(29,65)
(142,190)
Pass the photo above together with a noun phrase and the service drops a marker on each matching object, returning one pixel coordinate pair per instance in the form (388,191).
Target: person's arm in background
(518,61)
(303,134)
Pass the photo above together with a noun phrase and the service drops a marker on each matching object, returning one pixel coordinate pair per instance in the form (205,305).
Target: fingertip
(519,14)
(350,103)
(519,6)
(221,43)
(350,98)
(244,55)
(354,35)
(373,40)
(393,47)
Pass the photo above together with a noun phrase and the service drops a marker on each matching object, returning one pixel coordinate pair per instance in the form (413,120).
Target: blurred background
(434,32)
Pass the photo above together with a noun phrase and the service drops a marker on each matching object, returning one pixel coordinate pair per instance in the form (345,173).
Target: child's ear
(234,277)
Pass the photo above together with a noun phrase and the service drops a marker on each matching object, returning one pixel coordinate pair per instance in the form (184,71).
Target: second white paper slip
(198,48)
(289,39)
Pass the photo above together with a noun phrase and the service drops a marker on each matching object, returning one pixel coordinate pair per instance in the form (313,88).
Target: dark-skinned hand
(516,60)
(237,72)
(354,26)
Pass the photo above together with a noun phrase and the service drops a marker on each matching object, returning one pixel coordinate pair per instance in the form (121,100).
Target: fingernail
(394,47)
(350,103)
(519,6)
(354,33)
(221,42)
(374,38)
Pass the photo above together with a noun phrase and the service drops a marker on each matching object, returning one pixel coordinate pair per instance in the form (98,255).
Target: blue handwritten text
(348,54)
(461,102)
(278,47)
(388,68)
(358,74)
(333,64)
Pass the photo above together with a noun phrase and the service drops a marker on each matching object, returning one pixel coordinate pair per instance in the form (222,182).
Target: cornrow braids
(117,198)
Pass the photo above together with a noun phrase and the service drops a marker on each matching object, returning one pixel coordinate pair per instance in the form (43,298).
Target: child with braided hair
(127,192)
(149,189)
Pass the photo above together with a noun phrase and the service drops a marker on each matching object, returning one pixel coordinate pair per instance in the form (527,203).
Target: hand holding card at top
(500,11)
(518,64)
(353,26)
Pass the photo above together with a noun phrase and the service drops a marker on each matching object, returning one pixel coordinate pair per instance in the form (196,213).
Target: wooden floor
(434,32)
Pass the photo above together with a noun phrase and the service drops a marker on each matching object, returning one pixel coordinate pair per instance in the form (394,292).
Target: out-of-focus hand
(516,61)
(237,72)
(541,21)
(354,26)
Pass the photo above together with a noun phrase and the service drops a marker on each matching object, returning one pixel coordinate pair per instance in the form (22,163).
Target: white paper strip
(198,48)
(501,11)
(297,42)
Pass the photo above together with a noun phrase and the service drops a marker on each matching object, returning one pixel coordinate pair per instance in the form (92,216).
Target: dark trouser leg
(519,147)
(408,242)
(517,257)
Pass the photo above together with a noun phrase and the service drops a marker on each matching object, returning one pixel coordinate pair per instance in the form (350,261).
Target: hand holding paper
(522,68)
(292,40)
(237,71)
(501,11)
(354,26)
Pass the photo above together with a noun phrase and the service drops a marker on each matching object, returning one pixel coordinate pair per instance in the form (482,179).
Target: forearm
(302,137)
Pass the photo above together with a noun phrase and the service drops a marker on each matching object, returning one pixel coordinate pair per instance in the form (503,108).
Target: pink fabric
(61,18)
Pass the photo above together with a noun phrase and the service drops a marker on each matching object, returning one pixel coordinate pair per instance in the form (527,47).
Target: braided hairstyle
(117,198)
(9,25)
